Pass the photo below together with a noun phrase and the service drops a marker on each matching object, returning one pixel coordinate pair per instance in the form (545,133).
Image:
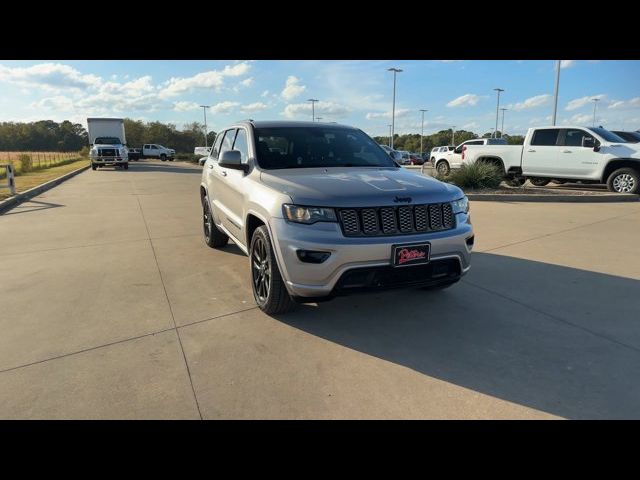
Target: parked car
(405,158)
(201,150)
(630,137)
(153,150)
(329,214)
(415,159)
(437,150)
(452,158)
(584,154)
(107,143)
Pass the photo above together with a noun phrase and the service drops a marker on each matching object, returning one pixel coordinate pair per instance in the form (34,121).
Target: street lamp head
(397,70)
(499,89)
(423,110)
(312,100)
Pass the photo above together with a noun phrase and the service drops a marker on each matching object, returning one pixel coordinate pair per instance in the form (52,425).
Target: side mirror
(588,142)
(458,150)
(232,159)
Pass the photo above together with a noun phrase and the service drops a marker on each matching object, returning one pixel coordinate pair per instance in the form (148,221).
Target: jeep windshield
(313,147)
(107,140)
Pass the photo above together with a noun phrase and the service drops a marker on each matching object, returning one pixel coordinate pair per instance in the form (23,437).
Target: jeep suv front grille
(365,222)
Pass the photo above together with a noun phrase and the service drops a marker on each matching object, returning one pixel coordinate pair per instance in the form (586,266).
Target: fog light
(470,241)
(312,256)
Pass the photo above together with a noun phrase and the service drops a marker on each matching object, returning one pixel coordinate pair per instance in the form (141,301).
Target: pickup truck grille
(107,152)
(405,220)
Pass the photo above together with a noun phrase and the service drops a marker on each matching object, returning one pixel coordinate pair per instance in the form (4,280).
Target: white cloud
(533,102)
(567,63)
(581,102)
(581,119)
(58,102)
(400,113)
(322,108)
(224,107)
(292,88)
(211,79)
(471,126)
(467,99)
(185,106)
(50,76)
(254,107)
(265,93)
(619,104)
(247,82)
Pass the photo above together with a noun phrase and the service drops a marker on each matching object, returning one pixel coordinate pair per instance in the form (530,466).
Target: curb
(9,203)
(488,197)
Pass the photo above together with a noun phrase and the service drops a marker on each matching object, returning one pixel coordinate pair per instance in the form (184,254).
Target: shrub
(189,157)
(84,152)
(477,175)
(26,163)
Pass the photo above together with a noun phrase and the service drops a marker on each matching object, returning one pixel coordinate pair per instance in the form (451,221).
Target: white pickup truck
(585,154)
(448,157)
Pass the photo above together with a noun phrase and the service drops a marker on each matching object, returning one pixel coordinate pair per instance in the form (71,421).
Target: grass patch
(38,177)
(475,176)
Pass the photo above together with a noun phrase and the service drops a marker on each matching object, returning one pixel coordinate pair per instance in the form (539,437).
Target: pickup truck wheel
(163,157)
(539,182)
(515,181)
(442,167)
(213,237)
(126,166)
(268,287)
(624,180)
(93,166)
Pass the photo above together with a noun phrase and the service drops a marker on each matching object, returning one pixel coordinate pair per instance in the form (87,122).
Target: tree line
(411,142)
(50,136)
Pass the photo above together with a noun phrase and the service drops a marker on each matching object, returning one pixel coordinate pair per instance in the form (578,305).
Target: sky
(456,93)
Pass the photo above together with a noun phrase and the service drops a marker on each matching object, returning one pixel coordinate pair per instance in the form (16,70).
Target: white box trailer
(108,143)
(106,127)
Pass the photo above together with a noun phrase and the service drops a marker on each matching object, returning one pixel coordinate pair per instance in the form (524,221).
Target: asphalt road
(113,307)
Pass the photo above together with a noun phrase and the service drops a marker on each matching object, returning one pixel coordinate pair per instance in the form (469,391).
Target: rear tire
(269,290)
(624,180)
(539,182)
(213,237)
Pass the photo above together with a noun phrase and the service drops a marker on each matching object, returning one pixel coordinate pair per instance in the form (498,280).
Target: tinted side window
(227,142)
(475,142)
(573,138)
(216,146)
(241,145)
(545,137)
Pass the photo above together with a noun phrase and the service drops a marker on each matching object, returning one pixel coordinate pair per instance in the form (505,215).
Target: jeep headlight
(461,205)
(299,214)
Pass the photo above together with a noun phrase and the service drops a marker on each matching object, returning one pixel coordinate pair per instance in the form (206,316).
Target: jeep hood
(358,186)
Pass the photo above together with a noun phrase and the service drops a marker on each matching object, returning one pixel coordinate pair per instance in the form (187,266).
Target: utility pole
(555,93)
(393,108)
(390,127)
(204,109)
(313,110)
(497,108)
(422,131)
(595,103)
(502,129)
(453,135)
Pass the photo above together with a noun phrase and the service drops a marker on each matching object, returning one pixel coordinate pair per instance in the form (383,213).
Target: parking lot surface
(113,307)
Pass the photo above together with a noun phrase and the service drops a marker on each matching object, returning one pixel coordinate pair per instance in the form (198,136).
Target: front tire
(163,157)
(126,166)
(442,167)
(93,166)
(269,290)
(624,180)
(213,237)
(539,182)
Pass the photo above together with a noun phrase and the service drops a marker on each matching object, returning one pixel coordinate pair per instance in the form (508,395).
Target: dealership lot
(113,307)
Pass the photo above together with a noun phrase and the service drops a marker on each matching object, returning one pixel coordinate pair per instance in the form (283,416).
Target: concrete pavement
(113,307)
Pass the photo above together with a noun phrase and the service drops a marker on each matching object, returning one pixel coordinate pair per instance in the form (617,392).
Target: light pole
(204,109)
(497,108)
(453,135)
(422,131)
(555,93)
(318,118)
(595,103)
(393,108)
(390,126)
(313,109)
(502,129)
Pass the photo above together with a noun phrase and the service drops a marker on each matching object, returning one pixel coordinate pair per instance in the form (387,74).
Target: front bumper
(348,253)
(109,160)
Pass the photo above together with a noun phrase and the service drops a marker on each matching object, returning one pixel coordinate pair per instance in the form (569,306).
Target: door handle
(210,166)
(223,173)
(531,150)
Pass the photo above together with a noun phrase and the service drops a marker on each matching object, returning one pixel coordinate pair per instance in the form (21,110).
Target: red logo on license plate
(407,255)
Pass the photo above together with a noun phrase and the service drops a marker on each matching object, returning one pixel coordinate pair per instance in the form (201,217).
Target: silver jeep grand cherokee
(321,210)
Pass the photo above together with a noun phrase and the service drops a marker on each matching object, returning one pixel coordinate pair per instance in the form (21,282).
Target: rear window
(547,136)
(496,141)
